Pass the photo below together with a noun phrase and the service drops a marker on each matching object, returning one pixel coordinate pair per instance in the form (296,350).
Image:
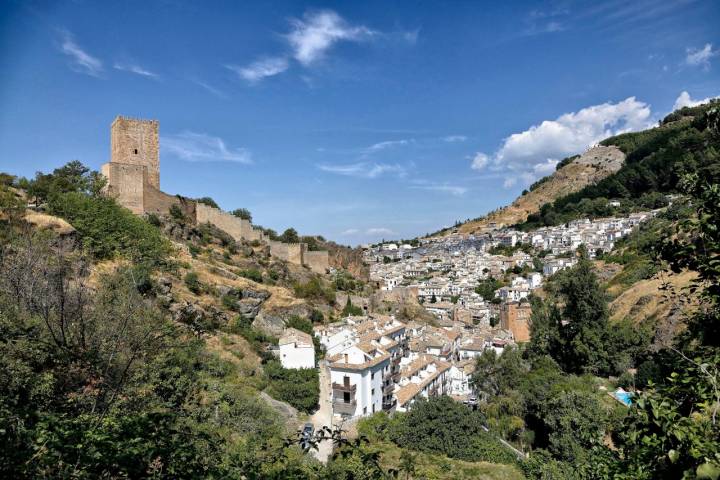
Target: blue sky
(354,120)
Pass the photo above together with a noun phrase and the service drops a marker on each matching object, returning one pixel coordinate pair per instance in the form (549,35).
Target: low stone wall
(318,261)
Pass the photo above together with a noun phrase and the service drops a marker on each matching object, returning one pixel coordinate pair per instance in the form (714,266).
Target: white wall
(297,357)
(369,387)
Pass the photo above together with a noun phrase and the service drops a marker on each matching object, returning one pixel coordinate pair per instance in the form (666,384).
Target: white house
(423,377)
(358,379)
(296,349)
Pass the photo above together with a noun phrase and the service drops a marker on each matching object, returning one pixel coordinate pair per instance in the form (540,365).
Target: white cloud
(509,182)
(365,169)
(455,190)
(217,92)
(535,151)
(82,61)
(136,69)
(454,138)
(700,57)
(199,147)
(350,231)
(379,231)
(312,36)
(387,144)
(480,161)
(684,100)
(263,68)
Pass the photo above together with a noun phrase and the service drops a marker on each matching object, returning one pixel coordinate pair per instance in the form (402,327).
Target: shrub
(176,212)
(108,230)
(252,274)
(298,387)
(314,289)
(192,282)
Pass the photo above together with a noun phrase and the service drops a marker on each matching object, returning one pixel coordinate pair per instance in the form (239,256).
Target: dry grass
(645,299)
(44,221)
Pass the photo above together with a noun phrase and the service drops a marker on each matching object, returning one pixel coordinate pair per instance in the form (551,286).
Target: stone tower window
(135,151)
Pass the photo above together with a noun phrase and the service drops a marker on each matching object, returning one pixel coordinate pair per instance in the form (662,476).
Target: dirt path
(323,417)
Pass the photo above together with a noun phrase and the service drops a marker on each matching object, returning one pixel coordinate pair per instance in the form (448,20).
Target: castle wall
(156,201)
(231,224)
(133,175)
(125,184)
(290,252)
(318,261)
(137,142)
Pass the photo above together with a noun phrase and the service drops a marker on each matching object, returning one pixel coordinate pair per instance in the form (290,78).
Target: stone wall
(231,224)
(125,184)
(290,252)
(318,261)
(136,142)
(156,201)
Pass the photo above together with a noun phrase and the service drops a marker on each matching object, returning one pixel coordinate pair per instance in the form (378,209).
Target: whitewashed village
(477,288)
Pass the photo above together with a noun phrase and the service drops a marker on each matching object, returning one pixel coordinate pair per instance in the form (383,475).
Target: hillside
(144,344)
(574,173)
(633,168)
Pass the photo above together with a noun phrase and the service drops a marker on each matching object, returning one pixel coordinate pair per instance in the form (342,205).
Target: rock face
(273,322)
(246,302)
(590,167)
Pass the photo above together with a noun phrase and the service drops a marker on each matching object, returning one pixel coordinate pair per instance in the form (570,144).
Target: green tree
(290,235)
(208,201)
(243,213)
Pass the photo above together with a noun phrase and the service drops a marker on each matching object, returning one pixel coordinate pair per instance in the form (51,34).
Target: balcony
(344,408)
(389,404)
(344,387)
(389,388)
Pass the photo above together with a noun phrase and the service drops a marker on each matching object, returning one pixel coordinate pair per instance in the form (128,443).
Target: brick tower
(134,161)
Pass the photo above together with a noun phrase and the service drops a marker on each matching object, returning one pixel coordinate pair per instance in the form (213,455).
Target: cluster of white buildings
(448,269)
(378,363)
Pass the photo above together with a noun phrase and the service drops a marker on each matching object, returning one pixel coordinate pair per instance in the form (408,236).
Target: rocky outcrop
(272,322)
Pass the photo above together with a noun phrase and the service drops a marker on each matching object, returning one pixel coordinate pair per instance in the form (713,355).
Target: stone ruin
(133,179)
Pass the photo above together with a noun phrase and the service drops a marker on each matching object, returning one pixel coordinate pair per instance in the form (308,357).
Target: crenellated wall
(318,261)
(231,224)
(290,252)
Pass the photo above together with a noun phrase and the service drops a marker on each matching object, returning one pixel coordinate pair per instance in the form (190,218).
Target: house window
(346,381)
(372,392)
(372,375)
(346,397)
(364,410)
(135,151)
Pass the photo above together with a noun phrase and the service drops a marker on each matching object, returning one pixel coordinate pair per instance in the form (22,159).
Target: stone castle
(133,175)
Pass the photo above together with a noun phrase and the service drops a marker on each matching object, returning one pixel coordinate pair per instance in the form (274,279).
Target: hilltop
(571,175)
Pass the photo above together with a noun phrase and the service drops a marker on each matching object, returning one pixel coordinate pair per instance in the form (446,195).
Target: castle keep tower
(136,142)
(134,161)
